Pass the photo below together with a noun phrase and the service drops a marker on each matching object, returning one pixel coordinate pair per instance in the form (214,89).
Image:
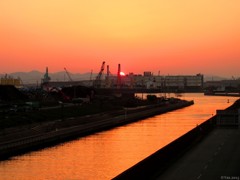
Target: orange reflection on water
(104,155)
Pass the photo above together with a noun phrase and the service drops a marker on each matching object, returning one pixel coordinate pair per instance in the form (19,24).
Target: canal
(106,154)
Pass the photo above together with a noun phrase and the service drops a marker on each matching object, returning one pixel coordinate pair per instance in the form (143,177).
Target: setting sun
(122,74)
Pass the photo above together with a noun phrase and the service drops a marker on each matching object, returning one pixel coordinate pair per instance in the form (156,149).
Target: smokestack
(119,76)
(119,69)
(108,71)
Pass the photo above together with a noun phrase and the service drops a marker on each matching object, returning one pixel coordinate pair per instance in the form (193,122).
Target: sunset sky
(171,36)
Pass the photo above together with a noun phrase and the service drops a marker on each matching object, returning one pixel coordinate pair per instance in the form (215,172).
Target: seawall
(91,125)
(159,161)
(155,164)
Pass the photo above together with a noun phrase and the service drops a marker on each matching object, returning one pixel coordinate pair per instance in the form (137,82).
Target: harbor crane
(69,77)
(97,82)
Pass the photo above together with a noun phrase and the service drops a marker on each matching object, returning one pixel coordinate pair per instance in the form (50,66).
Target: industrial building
(149,81)
(231,85)
(146,80)
(8,80)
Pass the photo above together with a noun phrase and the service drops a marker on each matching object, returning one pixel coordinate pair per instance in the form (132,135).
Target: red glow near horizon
(36,34)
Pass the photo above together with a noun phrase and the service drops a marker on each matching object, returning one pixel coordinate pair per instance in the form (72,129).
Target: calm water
(105,155)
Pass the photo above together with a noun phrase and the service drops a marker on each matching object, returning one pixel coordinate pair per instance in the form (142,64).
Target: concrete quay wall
(25,144)
(155,164)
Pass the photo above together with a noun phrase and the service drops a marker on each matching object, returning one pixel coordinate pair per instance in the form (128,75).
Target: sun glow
(122,74)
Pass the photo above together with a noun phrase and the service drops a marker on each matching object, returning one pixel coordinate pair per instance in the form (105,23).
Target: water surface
(106,154)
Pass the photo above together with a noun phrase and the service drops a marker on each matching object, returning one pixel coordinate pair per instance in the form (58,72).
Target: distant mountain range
(35,77)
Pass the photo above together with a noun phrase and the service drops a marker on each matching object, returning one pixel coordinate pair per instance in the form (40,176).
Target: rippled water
(106,154)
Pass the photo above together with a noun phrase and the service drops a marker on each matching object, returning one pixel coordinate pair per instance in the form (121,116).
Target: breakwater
(91,124)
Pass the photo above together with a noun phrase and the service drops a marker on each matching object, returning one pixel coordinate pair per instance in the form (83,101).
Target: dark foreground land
(23,131)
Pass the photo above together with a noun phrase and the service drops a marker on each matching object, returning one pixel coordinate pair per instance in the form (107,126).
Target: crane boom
(68,74)
(97,82)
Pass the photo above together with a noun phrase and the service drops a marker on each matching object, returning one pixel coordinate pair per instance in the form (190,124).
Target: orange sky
(173,36)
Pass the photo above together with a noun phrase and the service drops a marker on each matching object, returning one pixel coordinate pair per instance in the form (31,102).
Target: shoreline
(157,163)
(61,131)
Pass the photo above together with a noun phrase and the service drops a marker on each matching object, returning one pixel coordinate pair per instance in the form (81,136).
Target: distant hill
(35,77)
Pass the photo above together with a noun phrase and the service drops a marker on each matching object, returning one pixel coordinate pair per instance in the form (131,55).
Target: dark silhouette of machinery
(58,93)
(97,82)
(46,77)
(69,77)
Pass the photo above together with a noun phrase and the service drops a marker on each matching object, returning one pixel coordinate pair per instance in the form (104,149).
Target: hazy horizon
(35,76)
(113,73)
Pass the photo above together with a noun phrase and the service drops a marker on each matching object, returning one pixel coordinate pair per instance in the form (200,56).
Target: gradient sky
(170,36)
